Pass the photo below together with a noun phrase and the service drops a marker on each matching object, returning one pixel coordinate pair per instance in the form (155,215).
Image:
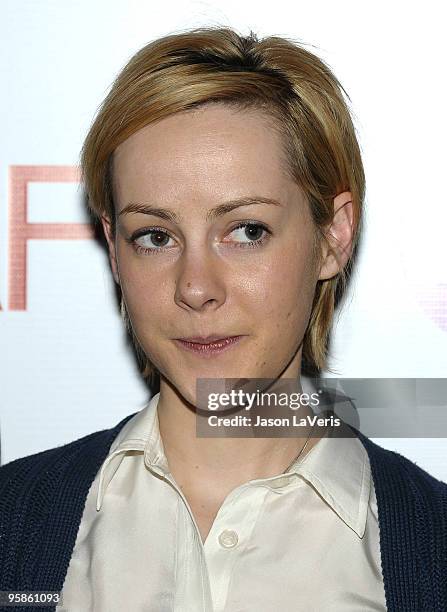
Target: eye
(253,231)
(149,240)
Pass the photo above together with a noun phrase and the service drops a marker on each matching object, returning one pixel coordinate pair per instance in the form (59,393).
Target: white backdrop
(66,369)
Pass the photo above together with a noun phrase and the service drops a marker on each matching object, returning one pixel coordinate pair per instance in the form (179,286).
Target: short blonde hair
(276,75)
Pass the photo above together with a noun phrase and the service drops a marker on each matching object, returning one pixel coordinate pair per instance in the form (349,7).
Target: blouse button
(228,538)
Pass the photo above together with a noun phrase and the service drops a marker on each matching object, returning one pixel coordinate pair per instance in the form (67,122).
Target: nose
(200,282)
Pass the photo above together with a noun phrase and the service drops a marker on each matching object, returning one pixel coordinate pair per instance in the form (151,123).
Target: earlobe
(339,235)
(107,227)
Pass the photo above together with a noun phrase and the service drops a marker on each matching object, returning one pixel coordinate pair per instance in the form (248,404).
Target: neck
(223,460)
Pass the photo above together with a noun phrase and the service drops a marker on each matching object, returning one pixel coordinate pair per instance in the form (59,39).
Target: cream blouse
(305,540)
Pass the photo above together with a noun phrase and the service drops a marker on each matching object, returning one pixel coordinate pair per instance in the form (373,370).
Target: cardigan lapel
(411,508)
(46,513)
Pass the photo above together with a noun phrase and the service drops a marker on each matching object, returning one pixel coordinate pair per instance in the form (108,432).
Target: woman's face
(248,270)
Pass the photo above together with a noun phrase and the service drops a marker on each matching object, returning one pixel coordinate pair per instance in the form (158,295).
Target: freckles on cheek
(287,290)
(138,290)
(286,275)
(147,298)
(136,274)
(134,285)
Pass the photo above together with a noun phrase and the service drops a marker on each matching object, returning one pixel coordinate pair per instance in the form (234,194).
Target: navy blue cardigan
(42,499)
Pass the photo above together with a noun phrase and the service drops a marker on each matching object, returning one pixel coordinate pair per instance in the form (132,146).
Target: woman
(228,180)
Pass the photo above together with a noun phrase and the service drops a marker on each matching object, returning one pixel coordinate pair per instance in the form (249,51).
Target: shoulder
(50,465)
(394,473)
(412,515)
(42,497)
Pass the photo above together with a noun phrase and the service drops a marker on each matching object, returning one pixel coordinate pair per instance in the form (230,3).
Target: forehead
(210,152)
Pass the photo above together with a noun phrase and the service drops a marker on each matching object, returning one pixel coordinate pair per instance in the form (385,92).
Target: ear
(107,227)
(339,234)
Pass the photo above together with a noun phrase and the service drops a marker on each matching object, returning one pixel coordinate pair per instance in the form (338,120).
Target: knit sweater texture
(42,498)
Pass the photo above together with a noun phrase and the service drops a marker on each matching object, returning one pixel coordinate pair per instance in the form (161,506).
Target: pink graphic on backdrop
(434,303)
(20,231)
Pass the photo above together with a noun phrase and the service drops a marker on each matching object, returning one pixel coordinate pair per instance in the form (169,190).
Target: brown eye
(156,238)
(149,240)
(253,232)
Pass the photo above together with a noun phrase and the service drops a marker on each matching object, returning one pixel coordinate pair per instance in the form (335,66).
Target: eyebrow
(213,213)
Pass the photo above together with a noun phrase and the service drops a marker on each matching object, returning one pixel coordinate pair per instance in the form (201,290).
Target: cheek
(145,297)
(283,287)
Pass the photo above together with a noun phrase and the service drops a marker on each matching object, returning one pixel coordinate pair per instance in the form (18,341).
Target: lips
(206,339)
(210,348)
